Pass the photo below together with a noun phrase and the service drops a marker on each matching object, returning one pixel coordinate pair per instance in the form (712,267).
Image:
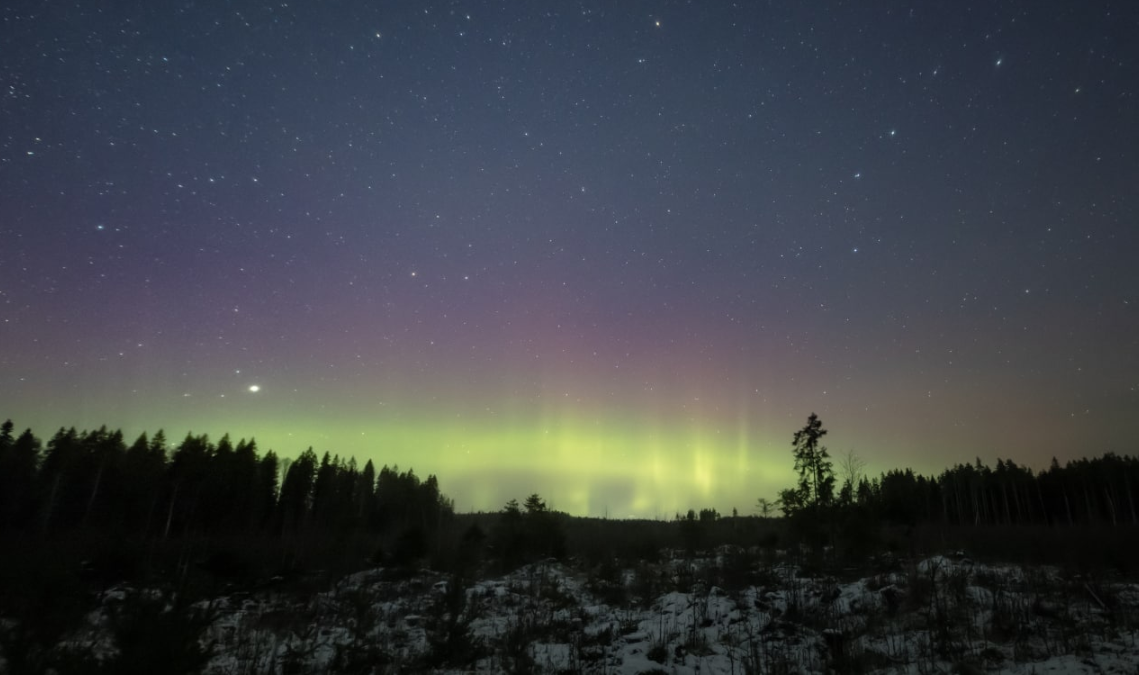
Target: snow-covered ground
(942,614)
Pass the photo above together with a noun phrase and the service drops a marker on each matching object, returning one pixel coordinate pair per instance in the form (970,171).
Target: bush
(155,635)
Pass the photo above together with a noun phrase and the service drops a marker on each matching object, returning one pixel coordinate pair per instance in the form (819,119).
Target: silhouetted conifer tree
(264,502)
(812,463)
(19,458)
(297,492)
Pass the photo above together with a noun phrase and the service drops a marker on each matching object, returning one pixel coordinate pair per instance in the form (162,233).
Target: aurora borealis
(614,253)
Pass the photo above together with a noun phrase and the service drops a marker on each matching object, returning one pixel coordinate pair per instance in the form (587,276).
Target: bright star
(254,388)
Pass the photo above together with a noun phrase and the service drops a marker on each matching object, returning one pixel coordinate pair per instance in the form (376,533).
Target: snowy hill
(682,615)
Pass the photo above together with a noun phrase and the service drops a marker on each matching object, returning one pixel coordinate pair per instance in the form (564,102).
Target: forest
(87,511)
(94,481)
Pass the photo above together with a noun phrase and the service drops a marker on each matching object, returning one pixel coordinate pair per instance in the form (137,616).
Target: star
(683,221)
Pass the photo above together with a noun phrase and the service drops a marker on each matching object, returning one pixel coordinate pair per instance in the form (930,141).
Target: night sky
(611,252)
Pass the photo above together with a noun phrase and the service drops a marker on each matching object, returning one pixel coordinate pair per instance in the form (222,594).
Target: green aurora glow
(613,257)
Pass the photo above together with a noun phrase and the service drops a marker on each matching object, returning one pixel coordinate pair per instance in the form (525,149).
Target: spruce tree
(812,462)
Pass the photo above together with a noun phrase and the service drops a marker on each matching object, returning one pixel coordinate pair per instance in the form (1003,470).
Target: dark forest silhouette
(1082,492)
(94,480)
(86,511)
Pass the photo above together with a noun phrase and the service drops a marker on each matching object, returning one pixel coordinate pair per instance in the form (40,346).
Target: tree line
(1098,491)
(95,481)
